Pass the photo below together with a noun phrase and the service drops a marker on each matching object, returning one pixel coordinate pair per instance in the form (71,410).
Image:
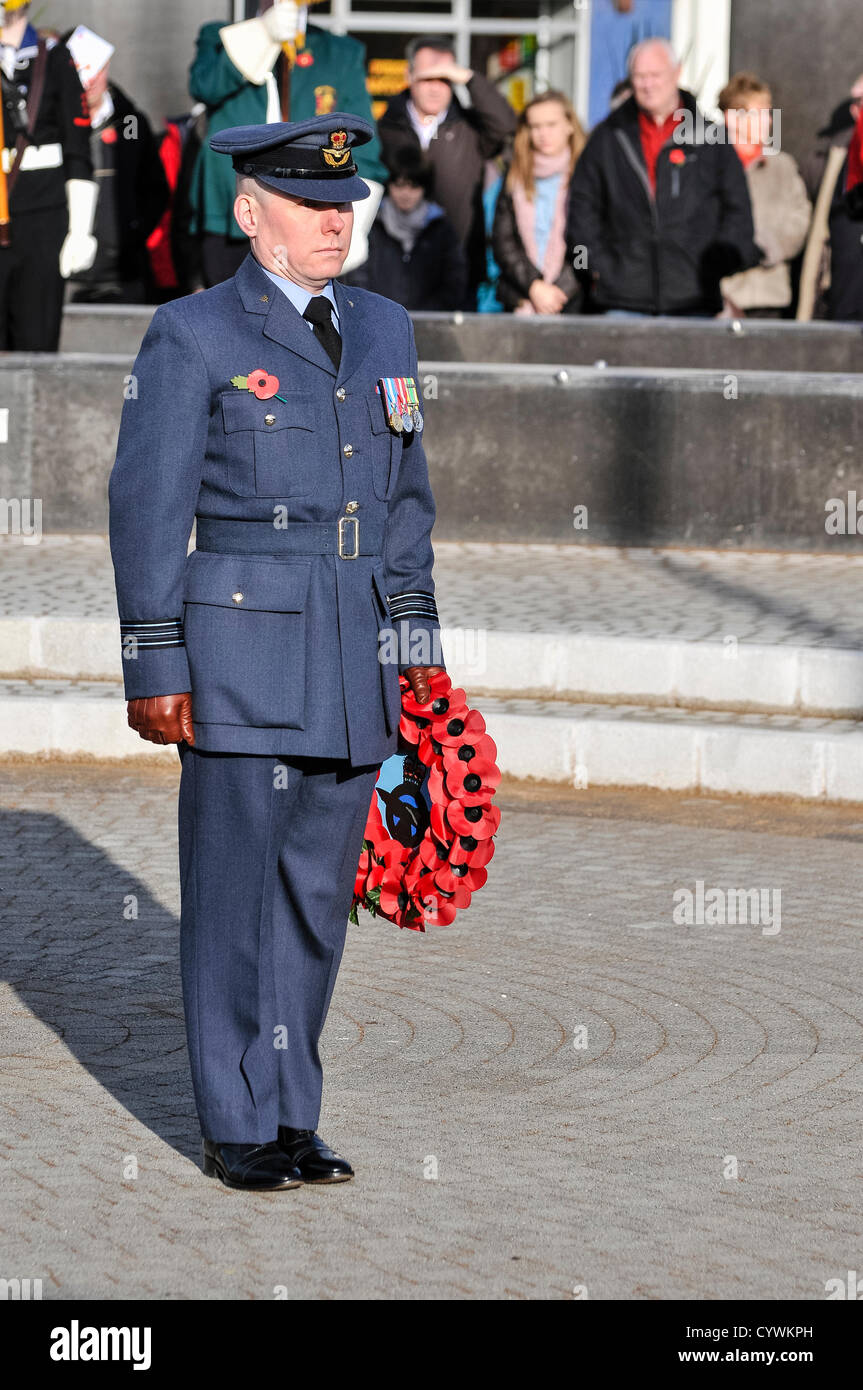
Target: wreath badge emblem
(430,828)
(337,152)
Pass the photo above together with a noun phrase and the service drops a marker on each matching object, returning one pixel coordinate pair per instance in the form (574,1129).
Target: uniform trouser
(269,849)
(31,286)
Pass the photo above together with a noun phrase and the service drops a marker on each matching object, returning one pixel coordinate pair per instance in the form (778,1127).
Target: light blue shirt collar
(300,297)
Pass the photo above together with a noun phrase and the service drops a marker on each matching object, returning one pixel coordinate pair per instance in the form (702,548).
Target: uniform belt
(345,538)
(35,157)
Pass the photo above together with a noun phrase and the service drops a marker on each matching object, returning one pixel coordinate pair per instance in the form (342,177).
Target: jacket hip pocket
(245,626)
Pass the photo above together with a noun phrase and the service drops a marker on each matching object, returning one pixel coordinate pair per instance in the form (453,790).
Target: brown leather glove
(163,718)
(419,679)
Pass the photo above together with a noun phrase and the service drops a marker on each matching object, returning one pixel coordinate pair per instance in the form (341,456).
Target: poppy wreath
(420,866)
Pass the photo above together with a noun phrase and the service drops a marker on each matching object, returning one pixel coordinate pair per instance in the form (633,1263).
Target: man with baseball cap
(263,411)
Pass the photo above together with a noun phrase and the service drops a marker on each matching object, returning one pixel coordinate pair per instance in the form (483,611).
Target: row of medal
(401,403)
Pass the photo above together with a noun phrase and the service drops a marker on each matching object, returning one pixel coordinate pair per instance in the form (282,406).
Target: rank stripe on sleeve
(413,603)
(167,634)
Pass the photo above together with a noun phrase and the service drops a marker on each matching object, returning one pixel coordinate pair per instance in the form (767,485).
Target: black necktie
(319,312)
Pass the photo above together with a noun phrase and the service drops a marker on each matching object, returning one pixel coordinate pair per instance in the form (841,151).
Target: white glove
(78,251)
(282,21)
(365,213)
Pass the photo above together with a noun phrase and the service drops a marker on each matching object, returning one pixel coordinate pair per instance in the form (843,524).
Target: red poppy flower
(392,853)
(483,748)
(439,685)
(363,870)
(436,786)
(479,853)
(433,854)
(391,887)
(462,726)
(438,910)
(263,385)
(446,702)
(459,880)
(677,157)
(414,878)
(410,730)
(394,900)
(441,831)
(479,819)
(473,779)
(426,752)
(449,719)
(109,135)
(374,878)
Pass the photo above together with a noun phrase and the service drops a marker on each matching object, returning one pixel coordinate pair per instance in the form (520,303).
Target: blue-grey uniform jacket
(275,633)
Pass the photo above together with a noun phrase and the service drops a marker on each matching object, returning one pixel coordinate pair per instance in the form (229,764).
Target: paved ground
(558,1167)
(693,595)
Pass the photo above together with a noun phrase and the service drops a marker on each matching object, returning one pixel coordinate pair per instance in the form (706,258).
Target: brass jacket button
(348,451)
(352,507)
(269,419)
(237,597)
(341,393)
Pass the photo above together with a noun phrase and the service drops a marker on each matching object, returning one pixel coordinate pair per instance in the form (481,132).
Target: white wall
(701,33)
(155,42)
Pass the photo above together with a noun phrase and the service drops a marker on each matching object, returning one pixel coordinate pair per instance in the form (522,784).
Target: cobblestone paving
(804,600)
(557,1166)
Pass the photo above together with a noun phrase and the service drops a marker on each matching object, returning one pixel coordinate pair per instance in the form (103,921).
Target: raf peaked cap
(311,159)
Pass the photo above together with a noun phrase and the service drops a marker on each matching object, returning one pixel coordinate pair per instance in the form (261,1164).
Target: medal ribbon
(407,413)
(389,395)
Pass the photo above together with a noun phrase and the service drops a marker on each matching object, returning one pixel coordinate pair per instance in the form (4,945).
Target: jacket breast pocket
(246,630)
(386,450)
(270,446)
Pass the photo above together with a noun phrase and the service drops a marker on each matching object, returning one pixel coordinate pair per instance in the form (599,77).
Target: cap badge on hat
(337,153)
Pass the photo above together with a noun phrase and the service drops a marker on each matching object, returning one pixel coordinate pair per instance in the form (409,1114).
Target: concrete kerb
(737,676)
(553,741)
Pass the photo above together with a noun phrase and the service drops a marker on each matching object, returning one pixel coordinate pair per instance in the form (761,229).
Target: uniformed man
(244,76)
(50,185)
(261,409)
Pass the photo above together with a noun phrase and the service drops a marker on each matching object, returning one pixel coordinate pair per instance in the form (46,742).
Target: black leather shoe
(315,1160)
(253,1167)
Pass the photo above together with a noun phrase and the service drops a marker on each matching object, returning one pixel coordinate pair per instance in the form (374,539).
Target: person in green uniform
(239,73)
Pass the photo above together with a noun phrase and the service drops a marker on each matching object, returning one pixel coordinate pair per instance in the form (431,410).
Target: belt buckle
(343,520)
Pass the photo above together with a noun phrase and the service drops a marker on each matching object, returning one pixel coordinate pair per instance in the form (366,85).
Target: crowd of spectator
(658,210)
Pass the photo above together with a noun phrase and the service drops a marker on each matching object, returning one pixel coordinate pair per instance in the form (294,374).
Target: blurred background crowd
(487,195)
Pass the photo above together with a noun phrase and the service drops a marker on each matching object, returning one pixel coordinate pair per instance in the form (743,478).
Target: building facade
(809,54)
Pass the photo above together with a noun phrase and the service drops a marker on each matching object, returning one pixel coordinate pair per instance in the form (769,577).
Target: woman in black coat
(414,255)
(528,234)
